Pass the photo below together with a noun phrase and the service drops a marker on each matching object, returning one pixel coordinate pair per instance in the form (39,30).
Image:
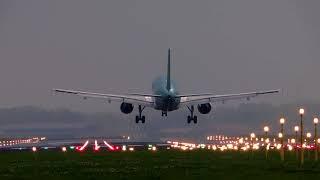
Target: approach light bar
(108,145)
(84,146)
(96,146)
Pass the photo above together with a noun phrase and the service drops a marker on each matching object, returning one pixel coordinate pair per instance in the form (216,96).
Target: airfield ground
(202,164)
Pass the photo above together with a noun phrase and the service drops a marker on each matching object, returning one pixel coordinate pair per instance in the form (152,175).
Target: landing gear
(164,113)
(140,117)
(192,117)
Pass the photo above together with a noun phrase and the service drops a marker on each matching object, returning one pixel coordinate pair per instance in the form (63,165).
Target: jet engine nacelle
(204,108)
(126,108)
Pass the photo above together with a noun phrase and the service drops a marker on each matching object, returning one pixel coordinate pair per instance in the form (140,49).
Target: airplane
(166,98)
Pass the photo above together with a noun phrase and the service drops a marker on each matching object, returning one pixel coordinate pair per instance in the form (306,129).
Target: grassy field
(153,165)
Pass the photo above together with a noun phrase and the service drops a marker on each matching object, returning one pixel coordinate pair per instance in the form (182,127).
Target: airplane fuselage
(168,100)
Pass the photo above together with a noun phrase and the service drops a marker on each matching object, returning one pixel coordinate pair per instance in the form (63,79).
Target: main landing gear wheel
(140,117)
(143,119)
(189,119)
(192,117)
(195,119)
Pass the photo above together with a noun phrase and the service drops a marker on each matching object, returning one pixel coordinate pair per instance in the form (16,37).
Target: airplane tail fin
(169,70)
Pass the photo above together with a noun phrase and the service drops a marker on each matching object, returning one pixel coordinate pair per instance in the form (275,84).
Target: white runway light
(124,148)
(34,149)
(64,149)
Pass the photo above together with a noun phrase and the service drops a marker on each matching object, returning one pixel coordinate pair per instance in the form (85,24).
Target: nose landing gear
(164,113)
(192,117)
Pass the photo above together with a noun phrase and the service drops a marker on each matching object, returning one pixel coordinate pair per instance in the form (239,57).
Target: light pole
(252,136)
(282,121)
(308,142)
(301,112)
(280,135)
(315,121)
(296,130)
(266,130)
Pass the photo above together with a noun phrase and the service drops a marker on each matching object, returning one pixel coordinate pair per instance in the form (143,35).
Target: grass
(153,165)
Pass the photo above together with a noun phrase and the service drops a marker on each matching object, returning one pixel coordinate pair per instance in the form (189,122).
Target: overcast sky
(221,46)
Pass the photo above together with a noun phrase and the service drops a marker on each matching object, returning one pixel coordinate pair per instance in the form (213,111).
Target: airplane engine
(204,108)
(126,108)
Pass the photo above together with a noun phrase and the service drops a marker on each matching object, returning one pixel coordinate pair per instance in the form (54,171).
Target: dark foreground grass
(153,165)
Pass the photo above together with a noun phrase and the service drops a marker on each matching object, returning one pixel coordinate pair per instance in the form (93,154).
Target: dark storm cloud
(223,46)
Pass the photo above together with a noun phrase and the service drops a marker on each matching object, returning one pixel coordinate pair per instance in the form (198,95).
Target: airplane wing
(134,98)
(210,98)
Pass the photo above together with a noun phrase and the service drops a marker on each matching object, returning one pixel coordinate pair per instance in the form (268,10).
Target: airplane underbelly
(165,105)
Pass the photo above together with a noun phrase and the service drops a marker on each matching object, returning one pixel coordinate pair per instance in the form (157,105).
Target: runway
(78,144)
